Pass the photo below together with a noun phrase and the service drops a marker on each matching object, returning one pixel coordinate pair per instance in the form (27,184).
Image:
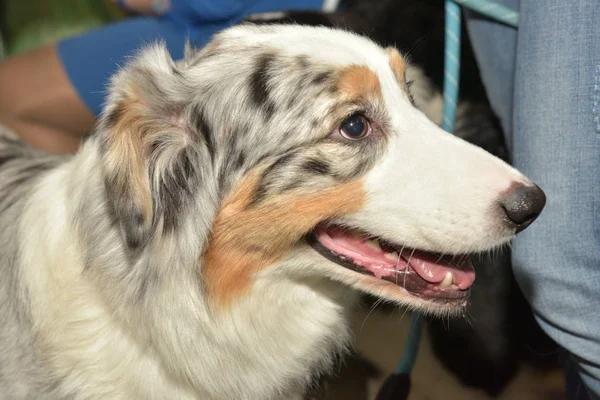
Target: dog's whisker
(440,258)
(408,263)
(466,315)
(372,308)
(404,313)
(397,264)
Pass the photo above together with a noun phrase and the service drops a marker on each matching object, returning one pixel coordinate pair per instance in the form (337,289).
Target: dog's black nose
(522,204)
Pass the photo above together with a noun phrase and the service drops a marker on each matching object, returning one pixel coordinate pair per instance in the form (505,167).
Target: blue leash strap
(412,345)
(451,64)
(452,47)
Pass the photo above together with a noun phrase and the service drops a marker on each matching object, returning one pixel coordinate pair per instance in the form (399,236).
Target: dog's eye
(355,127)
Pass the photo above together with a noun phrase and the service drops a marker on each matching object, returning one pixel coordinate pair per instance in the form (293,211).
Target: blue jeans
(543,80)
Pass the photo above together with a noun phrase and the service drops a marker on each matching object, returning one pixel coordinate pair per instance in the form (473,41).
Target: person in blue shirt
(51,96)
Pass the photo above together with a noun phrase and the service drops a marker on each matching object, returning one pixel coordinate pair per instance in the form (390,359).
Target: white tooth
(392,256)
(374,244)
(447,280)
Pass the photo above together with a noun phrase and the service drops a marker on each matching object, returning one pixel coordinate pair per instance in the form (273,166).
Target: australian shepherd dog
(210,238)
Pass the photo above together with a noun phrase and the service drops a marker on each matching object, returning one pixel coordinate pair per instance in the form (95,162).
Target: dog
(210,238)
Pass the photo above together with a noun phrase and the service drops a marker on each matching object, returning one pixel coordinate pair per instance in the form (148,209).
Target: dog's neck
(141,325)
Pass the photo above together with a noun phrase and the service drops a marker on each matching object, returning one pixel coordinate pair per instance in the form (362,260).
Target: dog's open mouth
(424,274)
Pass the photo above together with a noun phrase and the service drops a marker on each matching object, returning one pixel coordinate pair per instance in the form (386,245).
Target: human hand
(151,7)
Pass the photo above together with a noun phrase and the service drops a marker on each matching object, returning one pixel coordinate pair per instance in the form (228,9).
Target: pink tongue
(428,266)
(433,269)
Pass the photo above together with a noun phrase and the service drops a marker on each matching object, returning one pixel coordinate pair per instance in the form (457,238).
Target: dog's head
(301,149)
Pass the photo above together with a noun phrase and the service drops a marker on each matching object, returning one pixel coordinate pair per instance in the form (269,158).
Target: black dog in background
(500,334)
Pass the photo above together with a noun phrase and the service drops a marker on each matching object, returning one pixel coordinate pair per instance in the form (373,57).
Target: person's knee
(35,89)
(11,108)
(20,87)
(555,263)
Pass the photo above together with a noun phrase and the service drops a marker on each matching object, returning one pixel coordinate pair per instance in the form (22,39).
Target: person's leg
(495,46)
(557,144)
(38,102)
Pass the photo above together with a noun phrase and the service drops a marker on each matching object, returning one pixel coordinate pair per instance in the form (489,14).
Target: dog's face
(304,146)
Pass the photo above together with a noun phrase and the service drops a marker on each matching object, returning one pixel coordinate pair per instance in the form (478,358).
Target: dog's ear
(148,148)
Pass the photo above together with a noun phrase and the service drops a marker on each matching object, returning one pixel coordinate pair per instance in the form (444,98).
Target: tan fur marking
(244,241)
(126,153)
(358,81)
(399,65)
